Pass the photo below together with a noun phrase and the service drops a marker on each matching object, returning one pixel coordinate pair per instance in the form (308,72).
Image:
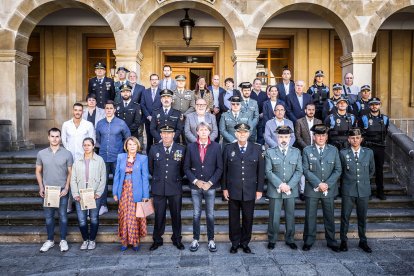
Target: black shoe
(155,246)
(334,248)
(343,246)
(306,247)
(364,246)
(381,196)
(233,249)
(179,245)
(271,245)
(302,197)
(292,245)
(246,249)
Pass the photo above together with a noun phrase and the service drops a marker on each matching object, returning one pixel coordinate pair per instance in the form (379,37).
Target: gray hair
(203,124)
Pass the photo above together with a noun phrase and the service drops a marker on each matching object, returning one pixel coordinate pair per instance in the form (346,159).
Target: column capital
(244,56)
(357,58)
(15,56)
(128,56)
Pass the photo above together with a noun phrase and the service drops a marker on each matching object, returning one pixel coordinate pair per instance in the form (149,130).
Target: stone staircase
(21,215)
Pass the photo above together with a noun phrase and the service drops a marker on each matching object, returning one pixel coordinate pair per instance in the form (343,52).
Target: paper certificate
(87,199)
(52,196)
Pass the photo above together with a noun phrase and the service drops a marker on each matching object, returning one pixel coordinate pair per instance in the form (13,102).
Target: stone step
(17,168)
(15,218)
(35,203)
(37,234)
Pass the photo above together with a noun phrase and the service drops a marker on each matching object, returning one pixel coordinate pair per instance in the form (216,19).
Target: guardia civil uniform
(282,165)
(250,105)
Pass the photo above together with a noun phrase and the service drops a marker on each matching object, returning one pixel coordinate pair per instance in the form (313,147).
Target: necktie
(165,111)
(166,84)
(356,156)
(235,116)
(320,152)
(284,152)
(241,149)
(247,103)
(349,90)
(153,94)
(125,104)
(167,150)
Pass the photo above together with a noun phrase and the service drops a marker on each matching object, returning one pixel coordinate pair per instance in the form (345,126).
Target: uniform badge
(311,155)
(233,154)
(108,85)
(157,155)
(347,156)
(178,155)
(158,115)
(117,108)
(94,84)
(362,106)
(370,122)
(338,121)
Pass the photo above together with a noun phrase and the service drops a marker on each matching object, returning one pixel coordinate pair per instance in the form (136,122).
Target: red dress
(131,228)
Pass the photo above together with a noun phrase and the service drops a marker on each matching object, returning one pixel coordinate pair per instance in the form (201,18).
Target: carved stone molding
(357,58)
(244,56)
(15,56)
(208,1)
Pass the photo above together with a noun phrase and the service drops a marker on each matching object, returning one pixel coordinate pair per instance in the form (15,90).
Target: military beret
(235,99)
(366,87)
(342,99)
(319,73)
(282,130)
(122,68)
(354,131)
(100,65)
(242,127)
(167,128)
(125,87)
(319,129)
(245,84)
(180,77)
(166,92)
(337,86)
(374,101)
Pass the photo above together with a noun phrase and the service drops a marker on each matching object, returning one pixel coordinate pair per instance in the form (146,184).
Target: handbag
(144,209)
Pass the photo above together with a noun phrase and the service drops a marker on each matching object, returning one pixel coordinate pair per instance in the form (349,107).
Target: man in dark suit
(296,102)
(203,166)
(101,86)
(261,97)
(150,100)
(242,184)
(166,167)
(137,89)
(224,98)
(287,86)
(217,90)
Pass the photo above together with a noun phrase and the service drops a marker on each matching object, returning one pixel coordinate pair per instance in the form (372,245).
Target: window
(273,58)
(33,49)
(99,49)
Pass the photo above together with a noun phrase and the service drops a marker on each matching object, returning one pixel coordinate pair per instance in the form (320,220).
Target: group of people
(301,143)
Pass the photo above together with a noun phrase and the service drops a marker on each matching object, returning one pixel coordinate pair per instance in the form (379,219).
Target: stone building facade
(47,48)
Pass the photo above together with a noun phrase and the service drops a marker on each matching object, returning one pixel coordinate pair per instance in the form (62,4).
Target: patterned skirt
(131,228)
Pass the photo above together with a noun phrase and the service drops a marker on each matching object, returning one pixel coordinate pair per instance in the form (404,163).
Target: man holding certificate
(53,170)
(87,184)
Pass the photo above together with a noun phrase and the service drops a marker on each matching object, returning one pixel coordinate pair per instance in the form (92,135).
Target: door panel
(182,71)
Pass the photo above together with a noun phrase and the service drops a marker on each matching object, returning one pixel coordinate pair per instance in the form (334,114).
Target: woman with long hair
(269,105)
(201,92)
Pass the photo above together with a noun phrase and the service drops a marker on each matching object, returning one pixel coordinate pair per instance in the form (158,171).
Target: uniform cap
(283,130)
(167,128)
(180,77)
(337,86)
(235,99)
(125,87)
(319,73)
(354,131)
(242,127)
(245,84)
(374,101)
(100,65)
(166,92)
(122,68)
(342,99)
(366,87)
(319,129)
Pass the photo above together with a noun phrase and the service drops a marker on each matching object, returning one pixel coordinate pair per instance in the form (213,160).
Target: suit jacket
(356,177)
(268,112)
(270,135)
(243,174)
(173,84)
(99,114)
(166,169)
(191,123)
(209,170)
(293,110)
(222,107)
(137,93)
(282,92)
(317,170)
(221,90)
(147,104)
(283,169)
(260,99)
(302,132)
(140,176)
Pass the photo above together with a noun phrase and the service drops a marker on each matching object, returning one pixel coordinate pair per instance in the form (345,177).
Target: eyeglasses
(235,103)
(215,79)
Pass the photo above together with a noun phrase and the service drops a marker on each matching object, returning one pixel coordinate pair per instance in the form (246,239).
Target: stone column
(360,65)
(244,63)
(15,97)
(130,59)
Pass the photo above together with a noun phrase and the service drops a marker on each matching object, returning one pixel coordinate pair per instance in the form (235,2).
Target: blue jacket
(140,176)
(137,93)
(147,104)
(111,137)
(293,110)
(268,112)
(260,99)
(281,89)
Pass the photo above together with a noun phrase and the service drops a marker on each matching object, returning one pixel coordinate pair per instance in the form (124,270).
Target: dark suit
(137,93)
(282,92)
(268,112)
(293,109)
(104,90)
(260,98)
(218,115)
(167,177)
(222,107)
(148,105)
(159,118)
(243,176)
(302,132)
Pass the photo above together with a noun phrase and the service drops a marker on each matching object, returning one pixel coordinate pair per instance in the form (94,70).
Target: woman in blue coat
(130,186)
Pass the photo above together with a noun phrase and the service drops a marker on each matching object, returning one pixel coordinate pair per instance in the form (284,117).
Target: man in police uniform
(375,125)
(330,105)
(250,105)
(340,123)
(283,166)
(101,86)
(122,79)
(183,100)
(166,115)
(166,161)
(231,118)
(129,111)
(322,168)
(358,167)
(242,184)
(361,106)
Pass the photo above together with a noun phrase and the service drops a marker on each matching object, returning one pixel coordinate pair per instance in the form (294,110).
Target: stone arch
(29,13)
(150,12)
(333,12)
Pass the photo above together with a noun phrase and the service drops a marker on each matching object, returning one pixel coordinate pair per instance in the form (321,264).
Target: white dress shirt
(273,103)
(353,88)
(72,136)
(286,87)
(310,125)
(216,93)
(300,99)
